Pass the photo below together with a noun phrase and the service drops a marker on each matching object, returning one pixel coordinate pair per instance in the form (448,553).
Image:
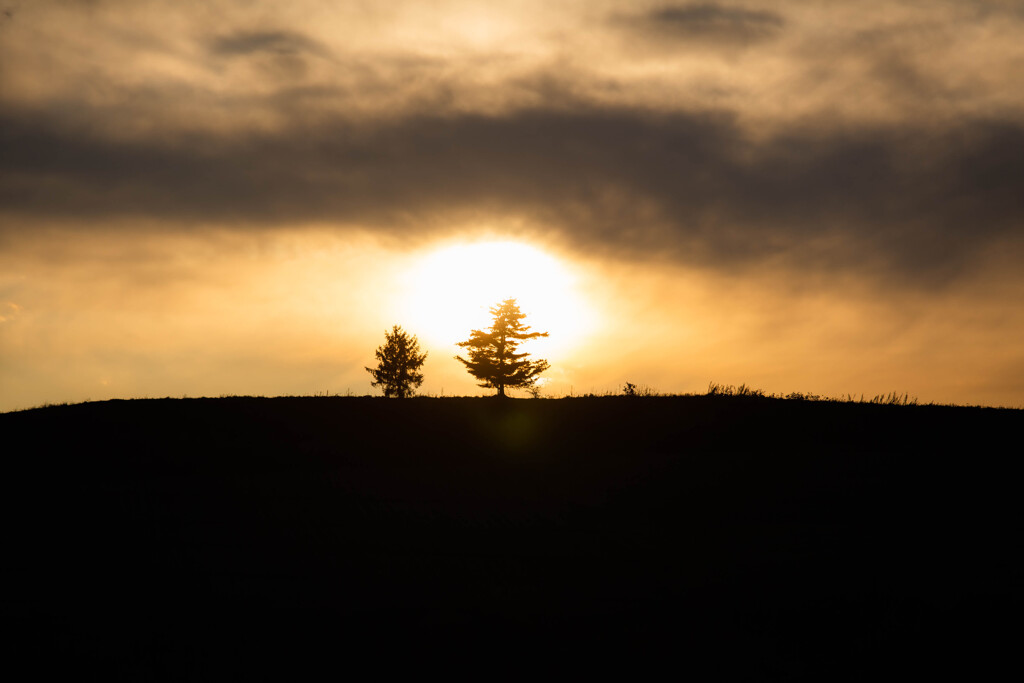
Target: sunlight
(451,290)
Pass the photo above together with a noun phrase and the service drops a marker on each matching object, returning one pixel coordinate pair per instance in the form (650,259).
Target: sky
(240,197)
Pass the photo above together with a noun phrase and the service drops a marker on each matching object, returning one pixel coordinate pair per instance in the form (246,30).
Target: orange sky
(239,198)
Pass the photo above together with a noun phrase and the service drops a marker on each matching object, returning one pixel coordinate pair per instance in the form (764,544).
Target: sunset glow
(243,197)
(451,290)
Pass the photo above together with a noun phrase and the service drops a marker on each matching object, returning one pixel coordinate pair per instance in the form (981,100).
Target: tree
(399,361)
(492,355)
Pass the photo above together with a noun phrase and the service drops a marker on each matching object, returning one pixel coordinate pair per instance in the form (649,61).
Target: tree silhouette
(492,354)
(399,360)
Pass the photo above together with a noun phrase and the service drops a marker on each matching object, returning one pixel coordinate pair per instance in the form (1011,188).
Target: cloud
(278,56)
(8,310)
(870,142)
(707,22)
(275,42)
(899,200)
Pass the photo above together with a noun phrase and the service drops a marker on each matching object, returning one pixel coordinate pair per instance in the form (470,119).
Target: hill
(246,537)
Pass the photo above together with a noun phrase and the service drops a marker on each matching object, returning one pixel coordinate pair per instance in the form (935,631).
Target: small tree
(492,354)
(399,361)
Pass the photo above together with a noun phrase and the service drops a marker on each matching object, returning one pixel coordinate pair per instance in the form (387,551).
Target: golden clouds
(231,66)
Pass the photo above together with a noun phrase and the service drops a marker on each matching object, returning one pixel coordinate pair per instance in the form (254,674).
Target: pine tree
(492,354)
(399,361)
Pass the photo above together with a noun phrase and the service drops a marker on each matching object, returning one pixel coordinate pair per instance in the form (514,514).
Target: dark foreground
(260,538)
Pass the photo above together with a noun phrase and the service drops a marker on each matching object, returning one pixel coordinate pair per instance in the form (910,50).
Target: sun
(450,290)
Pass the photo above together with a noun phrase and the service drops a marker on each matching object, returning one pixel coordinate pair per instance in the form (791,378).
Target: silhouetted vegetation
(492,354)
(630,389)
(399,361)
(892,398)
(715,389)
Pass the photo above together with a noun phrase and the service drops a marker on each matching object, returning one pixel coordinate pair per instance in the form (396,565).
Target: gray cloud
(280,56)
(708,21)
(896,200)
(274,42)
(861,145)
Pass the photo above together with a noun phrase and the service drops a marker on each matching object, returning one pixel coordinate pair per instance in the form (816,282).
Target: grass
(629,389)
(891,399)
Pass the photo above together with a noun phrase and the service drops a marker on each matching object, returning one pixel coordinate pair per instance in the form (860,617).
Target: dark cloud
(7,14)
(283,43)
(709,22)
(895,201)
